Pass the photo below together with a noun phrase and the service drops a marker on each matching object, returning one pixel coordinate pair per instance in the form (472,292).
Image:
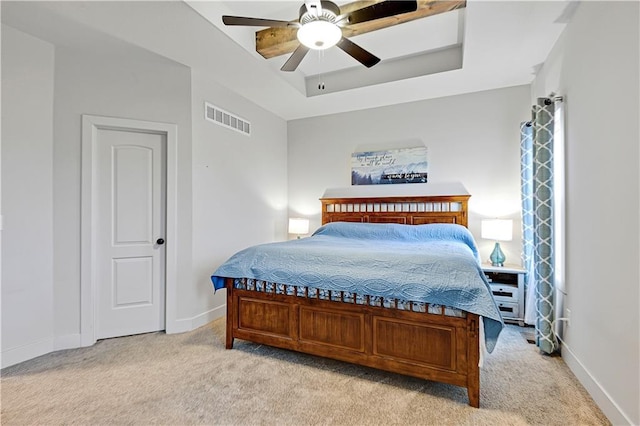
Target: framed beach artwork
(402,165)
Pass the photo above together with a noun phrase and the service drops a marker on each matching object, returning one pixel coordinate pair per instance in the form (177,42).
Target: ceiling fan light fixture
(319,27)
(319,34)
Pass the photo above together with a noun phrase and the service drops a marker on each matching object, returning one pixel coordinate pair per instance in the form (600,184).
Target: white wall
(239,182)
(117,81)
(595,67)
(27,196)
(472,138)
(239,185)
(232,188)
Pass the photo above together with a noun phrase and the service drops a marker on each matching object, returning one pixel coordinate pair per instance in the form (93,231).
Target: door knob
(160,241)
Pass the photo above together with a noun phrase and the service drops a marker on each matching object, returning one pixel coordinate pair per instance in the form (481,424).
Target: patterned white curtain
(538,218)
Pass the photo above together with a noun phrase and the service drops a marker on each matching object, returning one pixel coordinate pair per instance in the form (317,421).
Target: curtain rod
(555,98)
(552,99)
(548,100)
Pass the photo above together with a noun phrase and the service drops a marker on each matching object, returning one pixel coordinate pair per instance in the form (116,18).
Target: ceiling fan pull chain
(320,58)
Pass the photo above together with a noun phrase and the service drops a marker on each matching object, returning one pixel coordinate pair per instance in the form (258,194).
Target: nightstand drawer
(501,278)
(508,309)
(505,293)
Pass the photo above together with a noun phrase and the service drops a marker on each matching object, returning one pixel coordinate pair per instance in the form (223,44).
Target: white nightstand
(507,286)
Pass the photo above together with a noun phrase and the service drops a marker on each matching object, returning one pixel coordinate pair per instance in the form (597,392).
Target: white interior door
(131,222)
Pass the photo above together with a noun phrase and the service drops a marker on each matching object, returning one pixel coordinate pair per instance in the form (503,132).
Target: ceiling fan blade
(256,22)
(358,53)
(382,10)
(296,57)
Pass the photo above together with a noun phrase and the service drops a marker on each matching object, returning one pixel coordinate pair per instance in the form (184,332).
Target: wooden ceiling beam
(272,42)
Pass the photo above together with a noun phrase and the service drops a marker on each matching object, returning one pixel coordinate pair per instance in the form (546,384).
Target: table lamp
(497,230)
(298,226)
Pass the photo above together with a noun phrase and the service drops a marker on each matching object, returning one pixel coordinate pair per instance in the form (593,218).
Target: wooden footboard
(430,346)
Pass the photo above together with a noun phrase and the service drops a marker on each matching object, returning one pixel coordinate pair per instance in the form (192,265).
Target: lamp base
(497,256)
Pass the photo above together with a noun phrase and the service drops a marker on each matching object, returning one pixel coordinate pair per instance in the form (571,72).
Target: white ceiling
(413,37)
(502,43)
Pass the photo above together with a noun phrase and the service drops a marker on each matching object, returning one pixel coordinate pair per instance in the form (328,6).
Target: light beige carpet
(191,379)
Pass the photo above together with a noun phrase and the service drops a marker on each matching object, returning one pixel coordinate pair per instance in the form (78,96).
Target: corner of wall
(601,397)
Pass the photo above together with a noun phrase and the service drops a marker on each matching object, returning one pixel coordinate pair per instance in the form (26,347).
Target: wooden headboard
(410,210)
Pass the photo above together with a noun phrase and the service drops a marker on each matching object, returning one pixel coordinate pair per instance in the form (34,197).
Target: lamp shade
(497,229)
(298,226)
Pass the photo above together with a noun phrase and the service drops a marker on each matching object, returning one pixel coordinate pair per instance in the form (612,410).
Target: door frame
(88,218)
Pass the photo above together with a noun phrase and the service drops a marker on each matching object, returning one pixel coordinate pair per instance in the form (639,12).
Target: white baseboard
(26,352)
(69,341)
(188,324)
(601,397)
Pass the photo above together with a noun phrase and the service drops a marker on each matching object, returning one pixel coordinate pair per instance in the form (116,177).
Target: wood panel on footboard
(420,344)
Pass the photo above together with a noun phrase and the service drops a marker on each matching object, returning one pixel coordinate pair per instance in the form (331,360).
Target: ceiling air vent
(226,119)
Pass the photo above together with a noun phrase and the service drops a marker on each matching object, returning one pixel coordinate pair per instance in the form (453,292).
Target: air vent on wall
(226,119)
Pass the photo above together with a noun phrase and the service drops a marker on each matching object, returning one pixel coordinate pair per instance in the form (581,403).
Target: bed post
(230,315)
(473,357)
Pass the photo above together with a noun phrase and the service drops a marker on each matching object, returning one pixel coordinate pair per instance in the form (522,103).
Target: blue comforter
(435,263)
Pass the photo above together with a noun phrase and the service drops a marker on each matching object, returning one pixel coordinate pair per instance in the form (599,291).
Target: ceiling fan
(320,27)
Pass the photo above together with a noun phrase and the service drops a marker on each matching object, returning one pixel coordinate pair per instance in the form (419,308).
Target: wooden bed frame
(432,346)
